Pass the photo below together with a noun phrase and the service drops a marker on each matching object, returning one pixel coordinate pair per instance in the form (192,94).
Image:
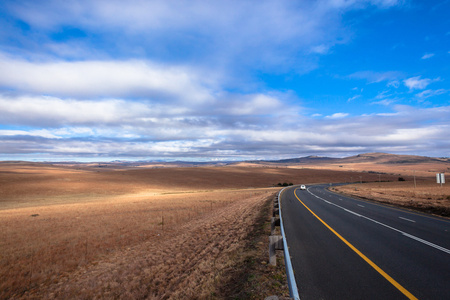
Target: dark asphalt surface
(412,248)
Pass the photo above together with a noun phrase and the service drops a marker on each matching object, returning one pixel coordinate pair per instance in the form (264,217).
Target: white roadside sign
(440,178)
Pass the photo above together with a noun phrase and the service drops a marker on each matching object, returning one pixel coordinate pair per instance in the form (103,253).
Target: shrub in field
(284,184)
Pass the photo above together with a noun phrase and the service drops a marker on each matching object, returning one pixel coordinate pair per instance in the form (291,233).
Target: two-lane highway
(344,248)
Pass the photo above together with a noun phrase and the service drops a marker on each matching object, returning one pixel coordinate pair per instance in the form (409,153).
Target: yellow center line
(371,263)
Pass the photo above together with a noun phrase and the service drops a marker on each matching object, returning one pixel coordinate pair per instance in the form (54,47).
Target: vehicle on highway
(303,187)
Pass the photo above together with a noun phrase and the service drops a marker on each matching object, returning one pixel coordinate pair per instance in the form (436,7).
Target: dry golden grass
(160,233)
(422,169)
(426,195)
(405,165)
(25,184)
(166,233)
(69,233)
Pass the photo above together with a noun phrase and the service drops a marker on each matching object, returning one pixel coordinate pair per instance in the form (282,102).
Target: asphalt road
(344,248)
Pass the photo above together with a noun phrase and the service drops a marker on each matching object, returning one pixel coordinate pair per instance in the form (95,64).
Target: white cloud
(430,93)
(353,98)
(406,129)
(103,78)
(35,133)
(415,83)
(383,95)
(51,111)
(411,134)
(320,49)
(385,102)
(375,77)
(385,98)
(338,116)
(393,83)
(427,55)
(133,119)
(251,105)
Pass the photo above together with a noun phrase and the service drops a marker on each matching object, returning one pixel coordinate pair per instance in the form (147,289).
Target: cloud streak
(427,55)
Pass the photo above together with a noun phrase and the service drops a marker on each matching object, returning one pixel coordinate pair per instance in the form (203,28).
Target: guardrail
(293,291)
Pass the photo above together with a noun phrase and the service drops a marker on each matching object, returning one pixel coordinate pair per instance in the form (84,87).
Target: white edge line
(407,219)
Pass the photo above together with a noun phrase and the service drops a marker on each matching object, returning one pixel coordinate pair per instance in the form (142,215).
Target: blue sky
(223,80)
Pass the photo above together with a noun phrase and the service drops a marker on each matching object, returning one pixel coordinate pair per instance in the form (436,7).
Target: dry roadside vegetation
(138,233)
(136,247)
(95,231)
(426,195)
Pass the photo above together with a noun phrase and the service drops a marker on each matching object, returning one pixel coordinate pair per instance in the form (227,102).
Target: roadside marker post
(440,178)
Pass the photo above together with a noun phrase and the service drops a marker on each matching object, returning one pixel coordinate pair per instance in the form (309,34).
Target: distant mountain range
(378,158)
(374,158)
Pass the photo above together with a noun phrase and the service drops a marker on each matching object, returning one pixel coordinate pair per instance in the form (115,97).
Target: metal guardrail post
(275,243)
(273,223)
(293,291)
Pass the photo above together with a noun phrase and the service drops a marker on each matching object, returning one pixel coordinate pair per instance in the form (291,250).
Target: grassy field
(42,244)
(426,195)
(88,231)
(139,233)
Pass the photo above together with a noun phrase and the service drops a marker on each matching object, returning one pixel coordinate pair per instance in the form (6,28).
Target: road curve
(345,248)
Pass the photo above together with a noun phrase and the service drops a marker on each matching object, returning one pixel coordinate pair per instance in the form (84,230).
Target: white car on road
(303,187)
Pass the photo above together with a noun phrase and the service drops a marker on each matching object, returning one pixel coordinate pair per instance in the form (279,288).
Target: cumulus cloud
(141,119)
(55,112)
(398,130)
(338,116)
(415,83)
(103,79)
